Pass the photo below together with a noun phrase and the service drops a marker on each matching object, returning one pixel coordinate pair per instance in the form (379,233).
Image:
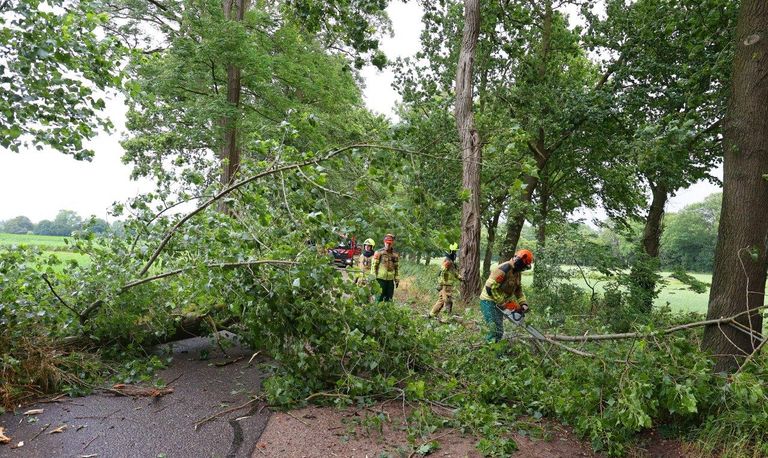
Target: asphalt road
(105,425)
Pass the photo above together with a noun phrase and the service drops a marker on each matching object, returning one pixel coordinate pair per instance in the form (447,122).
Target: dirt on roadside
(315,432)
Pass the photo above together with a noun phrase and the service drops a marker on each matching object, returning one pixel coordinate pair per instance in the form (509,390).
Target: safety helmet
(369,242)
(525,255)
(389,238)
(453,247)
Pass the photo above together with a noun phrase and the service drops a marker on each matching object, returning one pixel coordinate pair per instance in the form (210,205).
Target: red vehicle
(345,252)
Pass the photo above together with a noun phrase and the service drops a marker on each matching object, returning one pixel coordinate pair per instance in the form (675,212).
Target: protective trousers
(445,299)
(494,319)
(387,290)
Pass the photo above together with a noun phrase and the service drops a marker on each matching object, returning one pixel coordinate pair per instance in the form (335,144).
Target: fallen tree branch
(221,265)
(242,183)
(632,335)
(50,286)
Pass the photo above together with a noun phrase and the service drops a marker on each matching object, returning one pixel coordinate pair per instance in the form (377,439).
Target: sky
(38,184)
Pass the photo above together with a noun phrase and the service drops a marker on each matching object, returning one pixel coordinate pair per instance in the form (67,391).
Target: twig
(285,197)
(224,412)
(301,172)
(297,419)
(40,432)
(90,441)
(253,356)
(227,363)
(45,277)
(751,355)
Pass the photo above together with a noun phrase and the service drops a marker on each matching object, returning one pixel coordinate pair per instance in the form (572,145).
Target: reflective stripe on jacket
(503,285)
(385,264)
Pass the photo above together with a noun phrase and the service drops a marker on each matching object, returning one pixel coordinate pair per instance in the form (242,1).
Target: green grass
(30,239)
(675,293)
(50,244)
(82,259)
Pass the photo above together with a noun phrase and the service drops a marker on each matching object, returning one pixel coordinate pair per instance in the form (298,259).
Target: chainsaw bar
(519,319)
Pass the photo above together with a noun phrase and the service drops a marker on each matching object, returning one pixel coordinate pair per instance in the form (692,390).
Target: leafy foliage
(53,71)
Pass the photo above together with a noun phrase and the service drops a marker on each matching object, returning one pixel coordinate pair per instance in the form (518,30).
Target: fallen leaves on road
(3,438)
(34,412)
(19,445)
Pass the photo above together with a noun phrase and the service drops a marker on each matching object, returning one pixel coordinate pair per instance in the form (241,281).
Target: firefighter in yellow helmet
(365,262)
(504,290)
(448,277)
(385,268)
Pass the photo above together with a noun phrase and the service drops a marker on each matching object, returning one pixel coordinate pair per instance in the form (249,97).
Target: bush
(325,335)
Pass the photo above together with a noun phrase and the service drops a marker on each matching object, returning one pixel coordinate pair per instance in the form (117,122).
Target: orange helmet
(526,256)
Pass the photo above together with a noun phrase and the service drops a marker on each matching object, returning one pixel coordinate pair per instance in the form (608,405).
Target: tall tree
(471,153)
(234,10)
(741,255)
(671,93)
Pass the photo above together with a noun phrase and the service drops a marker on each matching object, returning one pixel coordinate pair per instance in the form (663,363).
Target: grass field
(50,244)
(30,239)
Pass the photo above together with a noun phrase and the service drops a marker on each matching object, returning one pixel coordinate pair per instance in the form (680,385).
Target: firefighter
(366,258)
(385,269)
(504,290)
(449,275)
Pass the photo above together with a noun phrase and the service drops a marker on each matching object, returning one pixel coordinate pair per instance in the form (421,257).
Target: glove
(524,307)
(511,306)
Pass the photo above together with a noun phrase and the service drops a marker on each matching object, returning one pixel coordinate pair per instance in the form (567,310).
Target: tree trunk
(653,223)
(517,219)
(492,225)
(540,152)
(234,10)
(470,154)
(427,259)
(738,281)
(644,273)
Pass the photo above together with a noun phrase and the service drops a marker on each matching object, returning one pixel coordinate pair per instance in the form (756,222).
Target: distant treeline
(65,223)
(687,241)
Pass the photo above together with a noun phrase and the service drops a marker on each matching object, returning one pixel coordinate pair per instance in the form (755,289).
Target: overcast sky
(39,183)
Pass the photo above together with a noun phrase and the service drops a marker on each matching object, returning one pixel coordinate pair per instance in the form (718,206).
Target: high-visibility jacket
(365,263)
(449,273)
(504,285)
(385,264)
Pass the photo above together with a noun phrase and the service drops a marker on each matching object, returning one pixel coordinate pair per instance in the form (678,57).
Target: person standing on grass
(385,268)
(365,262)
(504,290)
(448,277)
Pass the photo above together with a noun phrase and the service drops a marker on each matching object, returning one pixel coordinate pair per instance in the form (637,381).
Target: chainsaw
(518,318)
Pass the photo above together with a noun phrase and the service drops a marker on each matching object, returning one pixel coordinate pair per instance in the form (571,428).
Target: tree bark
(653,223)
(738,282)
(234,10)
(470,154)
(493,224)
(427,259)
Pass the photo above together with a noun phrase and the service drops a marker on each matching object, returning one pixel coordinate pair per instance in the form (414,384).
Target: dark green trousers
(387,290)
